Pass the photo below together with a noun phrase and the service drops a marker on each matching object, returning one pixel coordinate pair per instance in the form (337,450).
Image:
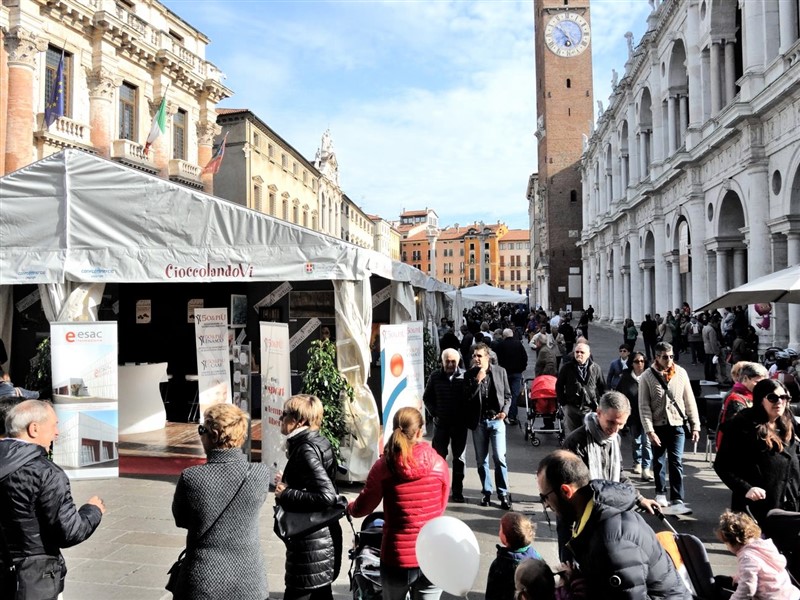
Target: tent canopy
(77,217)
(488,293)
(780,286)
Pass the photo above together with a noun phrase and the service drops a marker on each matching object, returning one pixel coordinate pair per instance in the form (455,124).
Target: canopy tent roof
(780,286)
(488,293)
(77,217)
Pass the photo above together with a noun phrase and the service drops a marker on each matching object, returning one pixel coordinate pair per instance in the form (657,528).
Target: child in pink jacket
(761,569)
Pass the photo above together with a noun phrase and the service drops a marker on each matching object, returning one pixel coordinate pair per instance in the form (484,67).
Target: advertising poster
(213,357)
(276,381)
(402,370)
(85,398)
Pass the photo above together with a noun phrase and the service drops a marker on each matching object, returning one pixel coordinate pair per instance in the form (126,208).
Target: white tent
(780,286)
(488,293)
(73,222)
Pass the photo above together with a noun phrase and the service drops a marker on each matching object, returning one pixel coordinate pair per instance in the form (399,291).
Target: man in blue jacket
(37,514)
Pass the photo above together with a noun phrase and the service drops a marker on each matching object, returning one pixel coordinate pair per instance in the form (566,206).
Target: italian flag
(159,124)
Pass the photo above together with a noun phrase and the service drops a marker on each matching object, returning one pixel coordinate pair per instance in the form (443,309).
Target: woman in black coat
(758,457)
(226,562)
(306,485)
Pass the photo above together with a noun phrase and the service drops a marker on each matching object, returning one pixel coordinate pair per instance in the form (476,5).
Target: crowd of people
(606,548)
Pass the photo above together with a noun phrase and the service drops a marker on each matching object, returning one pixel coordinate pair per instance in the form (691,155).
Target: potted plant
(40,376)
(323,379)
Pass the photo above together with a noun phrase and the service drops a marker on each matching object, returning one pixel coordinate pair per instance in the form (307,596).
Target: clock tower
(564,108)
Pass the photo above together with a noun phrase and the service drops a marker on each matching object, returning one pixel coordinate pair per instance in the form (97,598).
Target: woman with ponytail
(413,482)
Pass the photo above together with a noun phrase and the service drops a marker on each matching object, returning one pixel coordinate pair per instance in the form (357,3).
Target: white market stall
(73,222)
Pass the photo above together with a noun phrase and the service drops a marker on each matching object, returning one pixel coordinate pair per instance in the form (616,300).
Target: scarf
(667,375)
(597,444)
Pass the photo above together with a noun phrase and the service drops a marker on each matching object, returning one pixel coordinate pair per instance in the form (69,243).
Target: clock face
(567,34)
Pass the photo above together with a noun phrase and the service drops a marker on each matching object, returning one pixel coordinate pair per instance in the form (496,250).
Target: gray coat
(227,562)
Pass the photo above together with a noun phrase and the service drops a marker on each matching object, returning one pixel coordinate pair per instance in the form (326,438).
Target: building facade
(120,59)
(692,176)
(357,226)
(564,114)
(515,261)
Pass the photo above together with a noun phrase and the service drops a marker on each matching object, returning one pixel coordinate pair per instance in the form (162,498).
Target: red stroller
(542,396)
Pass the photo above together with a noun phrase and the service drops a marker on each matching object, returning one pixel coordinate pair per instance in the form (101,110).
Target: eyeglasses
(669,356)
(543,497)
(638,361)
(285,414)
(201,430)
(774,398)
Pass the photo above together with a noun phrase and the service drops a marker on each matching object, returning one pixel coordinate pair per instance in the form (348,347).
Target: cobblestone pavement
(129,554)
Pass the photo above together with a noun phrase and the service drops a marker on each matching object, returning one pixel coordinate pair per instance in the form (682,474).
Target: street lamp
(432,234)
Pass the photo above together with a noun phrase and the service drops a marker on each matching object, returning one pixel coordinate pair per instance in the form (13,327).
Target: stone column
(609,189)
(635,176)
(716,89)
(603,309)
(624,175)
(671,126)
(102,88)
(739,267)
(779,330)
(206,132)
(677,297)
(753,36)
(587,300)
(626,291)
(643,156)
(616,274)
(636,313)
(757,234)
(660,269)
(3,101)
(22,47)
(592,279)
(788,20)
(683,105)
(730,71)
(647,275)
(793,256)
(722,271)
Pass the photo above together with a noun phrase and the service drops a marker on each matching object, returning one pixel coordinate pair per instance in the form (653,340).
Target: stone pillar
(625,175)
(635,176)
(609,189)
(730,71)
(788,21)
(603,309)
(716,89)
(206,132)
(643,158)
(677,297)
(616,273)
(660,269)
(636,313)
(585,277)
(626,291)
(739,267)
(647,276)
(793,258)
(753,36)
(683,104)
(671,125)
(779,330)
(722,271)
(3,101)
(592,280)
(22,47)
(102,88)
(697,289)
(757,234)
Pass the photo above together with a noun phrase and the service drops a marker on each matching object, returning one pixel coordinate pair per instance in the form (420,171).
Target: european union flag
(54,108)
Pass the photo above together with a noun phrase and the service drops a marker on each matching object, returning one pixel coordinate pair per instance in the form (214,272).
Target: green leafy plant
(431,356)
(323,379)
(39,377)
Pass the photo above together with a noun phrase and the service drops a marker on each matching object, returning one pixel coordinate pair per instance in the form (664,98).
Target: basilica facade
(691,176)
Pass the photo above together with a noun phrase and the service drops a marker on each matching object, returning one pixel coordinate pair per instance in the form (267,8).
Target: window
(176,36)
(51,69)
(305,177)
(284,161)
(285,210)
(127,111)
(256,139)
(296,215)
(573,196)
(305,218)
(569,83)
(294,169)
(179,135)
(270,150)
(273,209)
(257,198)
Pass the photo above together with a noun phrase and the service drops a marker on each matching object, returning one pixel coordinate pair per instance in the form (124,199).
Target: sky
(430,103)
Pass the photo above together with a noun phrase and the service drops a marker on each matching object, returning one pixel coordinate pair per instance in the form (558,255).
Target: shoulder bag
(291,525)
(686,425)
(175,569)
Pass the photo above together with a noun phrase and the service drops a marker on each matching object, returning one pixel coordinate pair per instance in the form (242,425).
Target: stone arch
(731,216)
(645,130)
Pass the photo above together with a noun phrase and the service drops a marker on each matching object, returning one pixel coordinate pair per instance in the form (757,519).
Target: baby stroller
(545,406)
(783,527)
(365,559)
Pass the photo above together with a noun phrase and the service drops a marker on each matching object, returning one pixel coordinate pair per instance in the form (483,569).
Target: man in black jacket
(615,550)
(579,386)
(37,514)
(444,400)
(512,356)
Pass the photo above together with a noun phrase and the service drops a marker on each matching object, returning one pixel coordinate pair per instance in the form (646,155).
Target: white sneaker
(637,469)
(679,508)
(662,500)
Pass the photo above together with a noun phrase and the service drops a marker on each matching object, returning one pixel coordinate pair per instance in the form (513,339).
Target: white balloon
(448,554)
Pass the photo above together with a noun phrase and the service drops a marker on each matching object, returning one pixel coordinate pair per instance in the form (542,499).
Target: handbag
(290,525)
(175,569)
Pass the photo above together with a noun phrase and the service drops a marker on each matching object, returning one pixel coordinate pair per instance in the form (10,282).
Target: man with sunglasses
(614,549)
(667,407)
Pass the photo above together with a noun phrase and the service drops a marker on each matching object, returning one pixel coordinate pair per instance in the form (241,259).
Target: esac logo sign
(83,336)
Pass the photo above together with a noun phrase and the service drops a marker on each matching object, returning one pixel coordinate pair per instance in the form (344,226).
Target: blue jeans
(671,450)
(491,431)
(454,436)
(640,443)
(397,581)
(515,383)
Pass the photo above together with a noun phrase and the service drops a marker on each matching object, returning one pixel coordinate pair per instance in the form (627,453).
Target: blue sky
(429,103)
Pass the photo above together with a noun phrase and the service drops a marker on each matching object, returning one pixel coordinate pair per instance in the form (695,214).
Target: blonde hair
(399,449)
(228,423)
(305,407)
(518,530)
(737,529)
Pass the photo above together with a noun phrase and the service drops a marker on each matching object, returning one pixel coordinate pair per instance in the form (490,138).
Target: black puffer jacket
(618,552)
(444,397)
(574,390)
(37,513)
(313,561)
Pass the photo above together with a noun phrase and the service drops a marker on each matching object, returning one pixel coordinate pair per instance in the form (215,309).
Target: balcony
(132,154)
(65,133)
(185,173)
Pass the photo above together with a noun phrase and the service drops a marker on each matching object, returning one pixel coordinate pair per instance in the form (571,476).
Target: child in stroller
(365,559)
(545,406)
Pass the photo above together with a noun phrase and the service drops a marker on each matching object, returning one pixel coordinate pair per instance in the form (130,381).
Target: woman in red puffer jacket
(413,482)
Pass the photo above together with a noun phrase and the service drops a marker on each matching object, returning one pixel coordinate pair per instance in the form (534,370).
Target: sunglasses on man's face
(775,398)
(201,430)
